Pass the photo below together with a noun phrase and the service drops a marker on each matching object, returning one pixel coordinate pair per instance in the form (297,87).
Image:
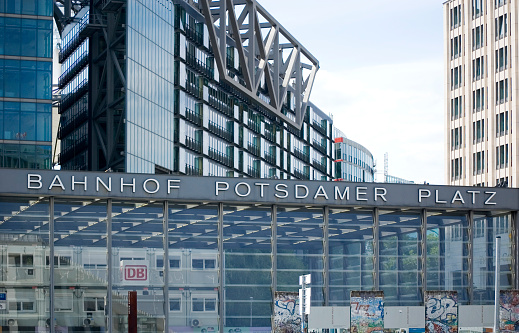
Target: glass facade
(178,115)
(213,266)
(353,162)
(25,83)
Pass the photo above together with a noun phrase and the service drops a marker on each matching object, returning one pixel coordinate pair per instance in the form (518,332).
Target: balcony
(322,148)
(301,175)
(220,157)
(71,98)
(270,158)
(199,66)
(194,145)
(221,131)
(270,135)
(319,127)
(73,123)
(73,70)
(69,152)
(219,105)
(301,155)
(193,117)
(192,170)
(319,166)
(195,36)
(193,89)
(253,172)
(253,149)
(254,125)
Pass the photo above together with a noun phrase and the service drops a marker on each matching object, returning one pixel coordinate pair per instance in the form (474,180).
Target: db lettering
(136,273)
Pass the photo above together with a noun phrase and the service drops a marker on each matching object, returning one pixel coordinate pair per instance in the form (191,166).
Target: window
(502,91)
(200,264)
(456,107)
(456,17)
(59,261)
(478,99)
(477,8)
(457,168)
(204,304)
(455,47)
(92,304)
(478,68)
(456,75)
(501,26)
(456,137)
(500,3)
(478,131)
(478,161)
(502,156)
(22,306)
(501,59)
(477,37)
(479,228)
(20,260)
(502,123)
(174,304)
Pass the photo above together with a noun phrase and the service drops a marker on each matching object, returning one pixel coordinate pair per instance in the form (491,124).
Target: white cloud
(394,108)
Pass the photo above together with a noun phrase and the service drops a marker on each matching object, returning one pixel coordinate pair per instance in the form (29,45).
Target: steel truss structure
(275,58)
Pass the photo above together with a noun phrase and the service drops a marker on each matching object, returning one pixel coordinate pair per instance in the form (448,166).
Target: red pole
(132,312)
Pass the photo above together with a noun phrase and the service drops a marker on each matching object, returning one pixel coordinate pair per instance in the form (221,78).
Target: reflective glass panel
(350,254)
(300,249)
(247,245)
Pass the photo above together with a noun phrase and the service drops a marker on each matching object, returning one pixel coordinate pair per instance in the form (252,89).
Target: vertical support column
(497,286)
(470,256)
(165,214)
(514,250)
(326,259)
(299,81)
(109,264)
(221,270)
(423,257)
(376,250)
(51,264)
(273,258)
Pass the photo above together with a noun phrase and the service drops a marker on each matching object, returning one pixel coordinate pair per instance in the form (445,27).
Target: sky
(380,76)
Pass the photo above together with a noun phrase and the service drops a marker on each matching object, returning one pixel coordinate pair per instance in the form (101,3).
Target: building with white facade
(480,105)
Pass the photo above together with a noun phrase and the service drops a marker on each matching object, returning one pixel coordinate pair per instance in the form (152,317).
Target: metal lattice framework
(267,53)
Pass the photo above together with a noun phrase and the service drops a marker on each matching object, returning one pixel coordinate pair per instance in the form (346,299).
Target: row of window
(93,304)
(456,77)
(478,40)
(478,130)
(25,156)
(25,79)
(456,17)
(478,162)
(27,7)
(26,37)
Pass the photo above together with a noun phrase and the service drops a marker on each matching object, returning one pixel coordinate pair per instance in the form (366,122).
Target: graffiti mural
(509,311)
(366,311)
(286,312)
(441,312)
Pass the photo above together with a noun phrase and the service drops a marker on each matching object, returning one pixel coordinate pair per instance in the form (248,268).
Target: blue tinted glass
(28,42)
(44,107)
(44,82)
(12,83)
(28,77)
(27,64)
(12,40)
(13,6)
(45,7)
(44,126)
(28,106)
(12,22)
(29,23)
(28,126)
(1,125)
(29,7)
(12,64)
(11,106)
(11,125)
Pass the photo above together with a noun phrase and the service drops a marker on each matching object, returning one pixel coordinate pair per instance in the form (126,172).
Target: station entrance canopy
(207,254)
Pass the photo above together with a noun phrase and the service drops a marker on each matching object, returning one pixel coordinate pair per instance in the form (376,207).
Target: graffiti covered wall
(441,312)
(367,311)
(286,312)
(509,311)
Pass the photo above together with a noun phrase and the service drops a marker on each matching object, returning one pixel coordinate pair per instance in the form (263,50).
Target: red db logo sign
(135,273)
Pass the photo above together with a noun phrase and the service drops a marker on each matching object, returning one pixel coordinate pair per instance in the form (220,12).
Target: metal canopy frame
(275,57)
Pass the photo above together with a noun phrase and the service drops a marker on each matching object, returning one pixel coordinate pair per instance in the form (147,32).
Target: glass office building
(159,102)
(353,162)
(72,244)
(25,83)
